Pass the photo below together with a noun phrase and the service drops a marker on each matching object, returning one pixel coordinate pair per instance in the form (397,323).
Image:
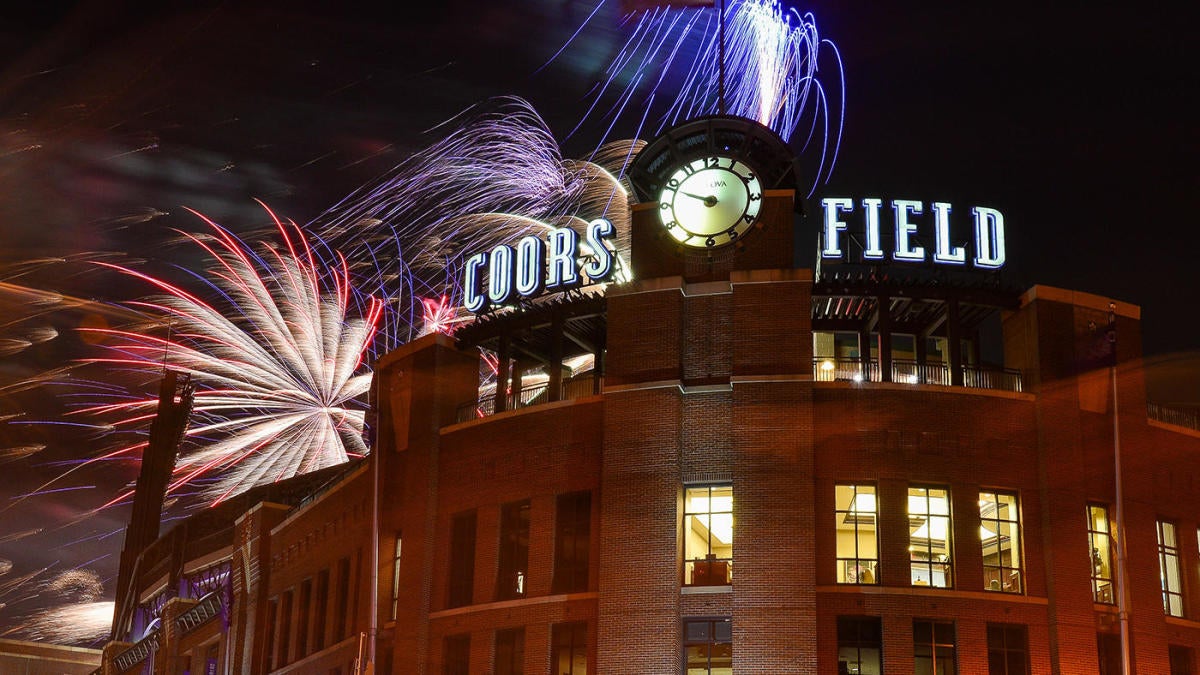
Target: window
(462,559)
(933,647)
(1180,659)
(572,542)
(857,538)
(510,651)
(285,628)
(1108,651)
(272,626)
(1000,535)
(322,598)
(860,645)
(708,535)
(1008,649)
(1168,569)
(514,550)
(1100,543)
(456,656)
(343,599)
(708,647)
(568,648)
(396,576)
(302,618)
(929,537)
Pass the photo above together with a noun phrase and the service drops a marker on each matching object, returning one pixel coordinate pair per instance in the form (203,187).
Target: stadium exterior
(765,469)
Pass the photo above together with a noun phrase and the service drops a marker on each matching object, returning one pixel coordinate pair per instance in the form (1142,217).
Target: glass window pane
(855,526)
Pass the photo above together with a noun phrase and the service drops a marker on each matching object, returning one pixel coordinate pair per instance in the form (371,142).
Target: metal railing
(139,652)
(209,606)
(534,394)
(1180,418)
(826,369)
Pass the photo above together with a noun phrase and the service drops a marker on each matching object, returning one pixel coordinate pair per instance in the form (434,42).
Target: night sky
(1078,122)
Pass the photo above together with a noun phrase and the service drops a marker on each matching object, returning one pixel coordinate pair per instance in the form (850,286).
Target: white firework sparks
(277,359)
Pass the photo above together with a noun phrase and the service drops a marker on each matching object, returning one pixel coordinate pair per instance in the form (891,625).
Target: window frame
(844,565)
(572,542)
(1005,649)
(572,630)
(460,586)
(1015,573)
(710,641)
(857,641)
(718,571)
(512,569)
(396,551)
(947,565)
(934,644)
(1100,582)
(513,640)
(1169,561)
(458,646)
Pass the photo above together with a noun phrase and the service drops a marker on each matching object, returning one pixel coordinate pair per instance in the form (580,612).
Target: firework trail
(277,357)
(772,75)
(80,618)
(79,624)
(497,175)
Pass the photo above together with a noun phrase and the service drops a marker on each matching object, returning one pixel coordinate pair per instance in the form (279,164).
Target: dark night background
(1078,121)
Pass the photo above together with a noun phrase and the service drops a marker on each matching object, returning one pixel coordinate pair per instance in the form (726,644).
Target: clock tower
(714,194)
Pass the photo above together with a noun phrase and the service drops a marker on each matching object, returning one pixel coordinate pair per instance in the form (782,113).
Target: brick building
(736,465)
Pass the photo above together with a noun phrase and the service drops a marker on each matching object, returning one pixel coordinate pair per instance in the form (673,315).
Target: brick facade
(711,382)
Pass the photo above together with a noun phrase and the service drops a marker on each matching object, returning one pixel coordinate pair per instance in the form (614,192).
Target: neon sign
(532,267)
(988,251)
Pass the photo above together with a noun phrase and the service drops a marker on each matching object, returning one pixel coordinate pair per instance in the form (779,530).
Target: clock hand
(709,201)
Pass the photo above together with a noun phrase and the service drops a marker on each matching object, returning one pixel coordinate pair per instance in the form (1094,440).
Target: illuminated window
(1000,536)
(462,559)
(1008,649)
(568,648)
(929,529)
(933,647)
(857,538)
(1100,544)
(456,657)
(510,651)
(396,576)
(1168,569)
(514,550)
(572,542)
(708,535)
(860,645)
(708,647)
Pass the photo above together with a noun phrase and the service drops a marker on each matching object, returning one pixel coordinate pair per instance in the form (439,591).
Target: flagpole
(1122,578)
(721,56)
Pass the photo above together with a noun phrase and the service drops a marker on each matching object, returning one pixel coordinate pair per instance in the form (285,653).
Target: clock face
(710,201)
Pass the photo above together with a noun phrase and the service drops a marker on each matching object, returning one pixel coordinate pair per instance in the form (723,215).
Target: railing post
(501,403)
(954,343)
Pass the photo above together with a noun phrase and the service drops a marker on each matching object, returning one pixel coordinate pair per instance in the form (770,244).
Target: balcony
(531,395)
(1173,416)
(912,372)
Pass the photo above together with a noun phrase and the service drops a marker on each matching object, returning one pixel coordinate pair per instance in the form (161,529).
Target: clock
(708,176)
(710,201)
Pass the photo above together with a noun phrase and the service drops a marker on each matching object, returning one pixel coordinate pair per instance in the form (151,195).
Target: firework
(82,623)
(771,73)
(277,355)
(497,175)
